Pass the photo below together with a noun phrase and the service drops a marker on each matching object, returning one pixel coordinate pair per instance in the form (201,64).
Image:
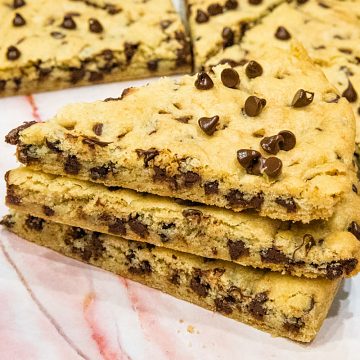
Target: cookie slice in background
(281,305)
(328,249)
(49,45)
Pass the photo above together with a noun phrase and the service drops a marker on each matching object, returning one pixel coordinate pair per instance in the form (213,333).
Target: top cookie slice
(266,135)
(56,44)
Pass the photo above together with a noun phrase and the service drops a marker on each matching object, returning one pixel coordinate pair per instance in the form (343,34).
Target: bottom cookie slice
(279,304)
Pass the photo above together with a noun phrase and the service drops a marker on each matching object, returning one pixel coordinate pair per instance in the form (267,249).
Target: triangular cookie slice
(264,136)
(56,44)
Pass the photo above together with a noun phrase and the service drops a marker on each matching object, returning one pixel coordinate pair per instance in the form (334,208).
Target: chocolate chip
(253,69)
(272,166)
(192,215)
(354,189)
(208,125)
(237,198)
(53,146)
(143,268)
(139,228)
(214,9)
(354,228)
(256,307)
(48,211)
(7,221)
(255,2)
(68,23)
(301,2)
(18,20)
(18,3)
(160,175)
(34,223)
(224,305)
(112,9)
(95,26)
(13,136)
(334,271)
(184,119)
(285,140)
(96,76)
(274,256)
(148,155)
(293,324)
(282,34)
(201,17)
(229,62)
(76,233)
(191,178)
(349,93)
(302,98)
(323,5)
(228,36)
(211,187)
(130,50)
(98,129)
(203,81)
(289,204)
(230,78)
(152,65)
(231,4)
(13,53)
(237,249)
(94,141)
(11,198)
(175,278)
(289,140)
(57,35)
(77,74)
(254,106)
(72,165)
(2,85)
(117,227)
(100,172)
(250,160)
(199,286)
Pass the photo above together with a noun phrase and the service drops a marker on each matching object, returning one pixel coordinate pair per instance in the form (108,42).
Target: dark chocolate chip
(230,78)
(130,50)
(256,307)
(272,166)
(289,140)
(236,198)
(289,204)
(18,3)
(139,228)
(191,178)
(14,135)
(152,65)
(184,119)
(203,81)
(274,256)
(77,74)
(254,106)
(53,146)
(208,125)
(57,35)
(201,17)
(253,69)
(224,305)
(231,4)
(2,85)
(34,223)
(72,165)
(345,51)
(99,172)
(229,62)
(237,249)
(144,268)
(302,98)
(11,198)
(228,36)
(175,278)
(323,5)
(354,189)
(96,76)
(199,286)
(354,228)
(13,53)
(214,9)
(68,23)
(94,141)
(95,26)
(282,34)
(48,211)
(301,2)
(98,129)
(250,160)
(7,221)
(117,227)
(255,2)
(211,187)
(18,20)
(192,215)
(271,144)
(148,155)
(160,175)
(293,324)
(76,233)
(349,93)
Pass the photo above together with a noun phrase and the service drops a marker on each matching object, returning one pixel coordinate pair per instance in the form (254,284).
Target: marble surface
(54,308)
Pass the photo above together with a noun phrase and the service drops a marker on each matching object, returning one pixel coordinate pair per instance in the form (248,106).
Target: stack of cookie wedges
(233,189)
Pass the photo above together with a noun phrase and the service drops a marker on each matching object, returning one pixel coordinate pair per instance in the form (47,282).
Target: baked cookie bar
(240,138)
(279,304)
(48,45)
(329,249)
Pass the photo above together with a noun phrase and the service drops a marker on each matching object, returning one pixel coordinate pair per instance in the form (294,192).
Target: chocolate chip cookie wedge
(227,138)
(328,249)
(279,304)
(48,45)
(219,24)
